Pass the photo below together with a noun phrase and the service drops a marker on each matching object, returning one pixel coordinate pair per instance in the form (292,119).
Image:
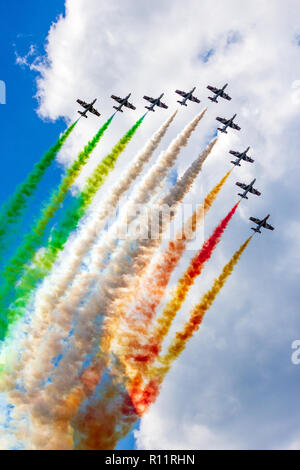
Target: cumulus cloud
(235,385)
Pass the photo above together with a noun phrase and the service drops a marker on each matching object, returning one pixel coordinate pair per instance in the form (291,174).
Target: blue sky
(235,385)
(25,135)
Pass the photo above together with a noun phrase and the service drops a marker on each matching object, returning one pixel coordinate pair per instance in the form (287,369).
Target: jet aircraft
(155,102)
(187,96)
(248,188)
(89,107)
(219,92)
(123,102)
(261,224)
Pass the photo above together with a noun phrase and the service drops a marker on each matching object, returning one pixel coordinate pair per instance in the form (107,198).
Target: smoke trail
(140,350)
(85,331)
(13,210)
(63,314)
(43,263)
(187,280)
(149,290)
(33,240)
(142,398)
(56,284)
(61,278)
(103,422)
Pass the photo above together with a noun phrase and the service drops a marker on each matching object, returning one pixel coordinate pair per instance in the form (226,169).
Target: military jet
(248,189)
(123,102)
(89,107)
(219,92)
(155,102)
(261,224)
(227,123)
(187,96)
(241,156)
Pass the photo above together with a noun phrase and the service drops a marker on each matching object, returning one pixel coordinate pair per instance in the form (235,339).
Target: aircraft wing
(194,99)
(242,185)
(254,191)
(222,120)
(256,221)
(225,96)
(248,159)
(116,98)
(181,93)
(83,104)
(162,105)
(236,154)
(213,89)
(235,126)
(94,111)
(152,100)
(268,226)
(129,105)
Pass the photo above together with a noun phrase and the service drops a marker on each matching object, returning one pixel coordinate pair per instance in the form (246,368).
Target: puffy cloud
(235,385)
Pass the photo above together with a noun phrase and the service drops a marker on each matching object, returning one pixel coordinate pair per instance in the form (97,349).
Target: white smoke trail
(65,269)
(64,311)
(67,377)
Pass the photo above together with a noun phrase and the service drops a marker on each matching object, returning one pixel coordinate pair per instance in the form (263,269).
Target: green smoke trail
(34,239)
(43,263)
(12,211)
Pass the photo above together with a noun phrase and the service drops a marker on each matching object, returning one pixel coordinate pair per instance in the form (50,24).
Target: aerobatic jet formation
(241,156)
(155,102)
(219,92)
(248,188)
(89,107)
(187,96)
(227,123)
(123,102)
(261,224)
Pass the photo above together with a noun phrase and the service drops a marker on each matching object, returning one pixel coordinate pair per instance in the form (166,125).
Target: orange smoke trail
(138,320)
(105,420)
(145,350)
(171,258)
(143,396)
(108,419)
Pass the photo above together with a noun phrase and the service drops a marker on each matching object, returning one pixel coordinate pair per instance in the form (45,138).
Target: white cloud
(234,386)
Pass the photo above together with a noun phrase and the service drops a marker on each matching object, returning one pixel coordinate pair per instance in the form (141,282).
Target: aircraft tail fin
(150,109)
(222,130)
(82,114)
(236,164)
(255,230)
(213,99)
(244,197)
(117,108)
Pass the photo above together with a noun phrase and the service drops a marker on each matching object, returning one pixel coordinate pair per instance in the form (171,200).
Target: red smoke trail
(141,351)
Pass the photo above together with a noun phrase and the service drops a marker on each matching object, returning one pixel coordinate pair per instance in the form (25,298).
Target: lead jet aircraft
(241,156)
(248,189)
(261,224)
(187,96)
(155,102)
(123,102)
(227,123)
(219,92)
(89,107)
